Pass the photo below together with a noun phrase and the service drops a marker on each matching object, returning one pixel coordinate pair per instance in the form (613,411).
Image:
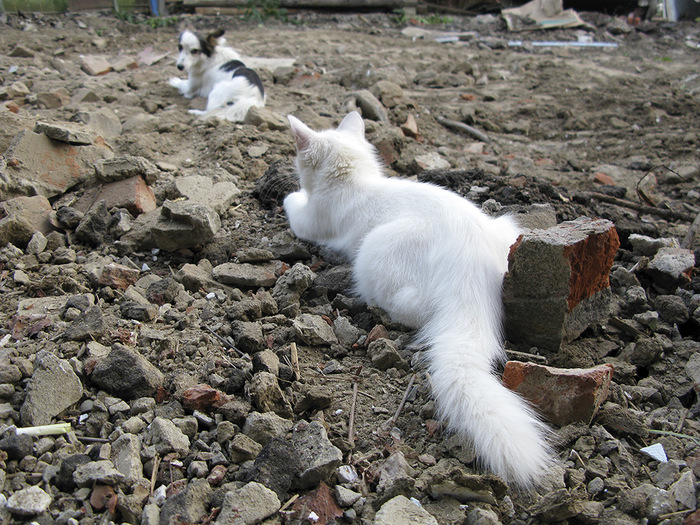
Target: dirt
(556,117)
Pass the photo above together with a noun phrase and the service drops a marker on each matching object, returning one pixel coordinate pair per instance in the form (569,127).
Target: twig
(295,361)
(526,355)
(674,434)
(351,421)
(625,327)
(224,342)
(681,421)
(289,502)
(87,439)
(693,231)
(464,127)
(677,513)
(392,421)
(154,474)
(666,214)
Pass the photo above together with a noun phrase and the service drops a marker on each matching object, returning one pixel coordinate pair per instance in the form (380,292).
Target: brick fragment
(95,65)
(118,276)
(561,395)
(557,283)
(132,193)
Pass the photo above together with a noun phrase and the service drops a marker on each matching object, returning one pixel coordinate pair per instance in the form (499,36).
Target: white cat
(434,262)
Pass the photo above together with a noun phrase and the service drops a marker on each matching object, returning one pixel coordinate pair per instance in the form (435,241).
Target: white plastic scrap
(313,517)
(655,451)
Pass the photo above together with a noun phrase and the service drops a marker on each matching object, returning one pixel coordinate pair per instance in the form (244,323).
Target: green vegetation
(261,10)
(400,17)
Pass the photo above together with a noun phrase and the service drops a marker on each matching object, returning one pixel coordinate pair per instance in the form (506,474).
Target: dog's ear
(214,36)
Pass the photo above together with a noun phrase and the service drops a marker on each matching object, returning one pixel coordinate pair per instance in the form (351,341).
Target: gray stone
(242,448)
(94,225)
(479,516)
(647,501)
(370,106)
(267,396)
(276,466)
(22,217)
(103,121)
(184,224)
(17,446)
(383,354)
(64,478)
(126,456)
(683,490)
(64,132)
(345,497)
(672,309)
(28,502)
(126,374)
(198,188)
(125,167)
(643,245)
(646,351)
(670,268)
(249,505)
(189,506)
(314,330)
(346,332)
(245,275)
(36,244)
(284,245)
(248,336)
(430,161)
(263,427)
(395,477)
(266,361)
(292,284)
(88,325)
(102,472)
(402,511)
(264,118)
(167,437)
(53,388)
(318,457)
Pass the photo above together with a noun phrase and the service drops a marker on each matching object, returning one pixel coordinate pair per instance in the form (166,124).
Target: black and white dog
(216,72)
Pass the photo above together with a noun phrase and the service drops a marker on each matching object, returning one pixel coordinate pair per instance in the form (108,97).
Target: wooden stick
(666,214)
(295,361)
(154,474)
(483,137)
(351,421)
(526,355)
(392,421)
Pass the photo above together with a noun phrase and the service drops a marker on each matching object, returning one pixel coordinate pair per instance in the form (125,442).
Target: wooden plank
(334,4)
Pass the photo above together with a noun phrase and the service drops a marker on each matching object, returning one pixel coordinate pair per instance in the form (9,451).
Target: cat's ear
(354,124)
(302,133)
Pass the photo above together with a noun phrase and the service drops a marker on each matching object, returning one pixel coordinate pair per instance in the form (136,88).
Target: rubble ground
(214,369)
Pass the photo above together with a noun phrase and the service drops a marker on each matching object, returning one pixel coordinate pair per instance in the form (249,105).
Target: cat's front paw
(197,112)
(176,82)
(295,201)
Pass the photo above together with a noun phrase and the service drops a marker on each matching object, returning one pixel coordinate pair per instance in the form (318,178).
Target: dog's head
(194,49)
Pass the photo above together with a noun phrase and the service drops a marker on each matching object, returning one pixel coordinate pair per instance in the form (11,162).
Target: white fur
(434,262)
(227,98)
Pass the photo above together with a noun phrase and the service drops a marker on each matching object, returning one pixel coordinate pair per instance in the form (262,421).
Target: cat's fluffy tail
(507,436)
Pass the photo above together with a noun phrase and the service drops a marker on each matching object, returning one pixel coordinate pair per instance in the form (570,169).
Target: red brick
(602,178)
(132,193)
(203,398)
(557,283)
(561,395)
(118,276)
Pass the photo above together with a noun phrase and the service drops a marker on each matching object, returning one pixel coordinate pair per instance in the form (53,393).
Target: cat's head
(334,153)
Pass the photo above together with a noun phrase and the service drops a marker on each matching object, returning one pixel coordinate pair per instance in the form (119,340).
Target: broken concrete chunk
(557,283)
(201,189)
(124,167)
(561,395)
(184,224)
(68,133)
(671,268)
(53,388)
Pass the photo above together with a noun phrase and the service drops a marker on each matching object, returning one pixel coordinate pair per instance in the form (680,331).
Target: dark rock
(94,225)
(127,374)
(64,480)
(17,446)
(88,325)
